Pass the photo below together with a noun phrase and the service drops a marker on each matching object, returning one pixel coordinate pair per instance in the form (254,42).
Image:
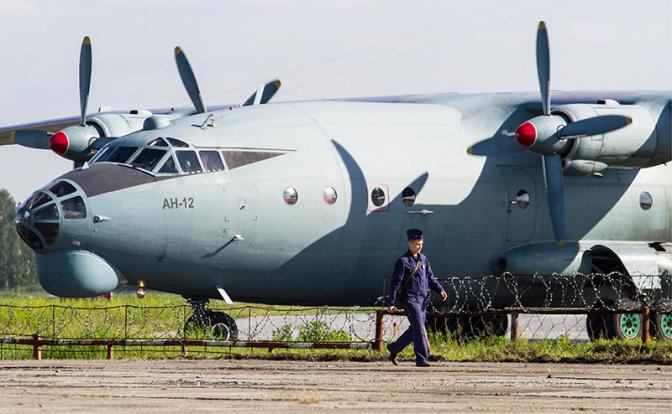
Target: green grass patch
(489,350)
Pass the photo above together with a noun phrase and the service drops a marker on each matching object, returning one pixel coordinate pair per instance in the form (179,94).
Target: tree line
(17,261)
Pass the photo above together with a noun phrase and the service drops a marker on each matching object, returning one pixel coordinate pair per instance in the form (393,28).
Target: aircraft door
(241,220)
(522,204)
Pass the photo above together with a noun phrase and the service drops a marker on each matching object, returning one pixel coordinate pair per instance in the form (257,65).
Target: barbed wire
(544,307)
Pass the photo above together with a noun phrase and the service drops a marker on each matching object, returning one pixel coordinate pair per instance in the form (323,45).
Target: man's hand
(444,296)
(391,308)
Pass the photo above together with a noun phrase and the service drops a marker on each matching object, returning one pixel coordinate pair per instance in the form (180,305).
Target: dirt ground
(170,386)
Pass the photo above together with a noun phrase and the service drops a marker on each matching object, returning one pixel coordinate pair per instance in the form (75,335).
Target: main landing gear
(629,325)
(214,325)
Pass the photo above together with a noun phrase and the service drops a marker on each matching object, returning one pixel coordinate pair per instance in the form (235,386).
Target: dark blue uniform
(413,294)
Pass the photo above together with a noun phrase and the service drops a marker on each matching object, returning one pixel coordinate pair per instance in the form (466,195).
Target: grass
(126,316)
(491,350)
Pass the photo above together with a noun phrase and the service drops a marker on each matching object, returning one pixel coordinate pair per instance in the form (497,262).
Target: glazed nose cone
(47,214)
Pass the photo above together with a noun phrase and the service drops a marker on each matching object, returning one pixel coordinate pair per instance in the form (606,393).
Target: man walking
(411,281)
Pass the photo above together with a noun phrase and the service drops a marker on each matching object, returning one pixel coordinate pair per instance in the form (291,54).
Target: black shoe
(393,356)
(422,364)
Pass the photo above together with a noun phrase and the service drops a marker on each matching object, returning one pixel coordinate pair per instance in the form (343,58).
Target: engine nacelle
(76,142)
(118,125)
(638,145)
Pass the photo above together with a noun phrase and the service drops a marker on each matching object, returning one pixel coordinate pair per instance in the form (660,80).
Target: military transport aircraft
(307,202)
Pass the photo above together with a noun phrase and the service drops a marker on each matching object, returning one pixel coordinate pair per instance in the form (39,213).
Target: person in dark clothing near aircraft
(411,280)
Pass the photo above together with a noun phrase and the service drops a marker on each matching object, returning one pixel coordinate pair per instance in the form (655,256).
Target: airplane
(307,202)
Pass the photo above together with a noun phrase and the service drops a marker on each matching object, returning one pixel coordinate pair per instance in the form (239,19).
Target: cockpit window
(73,208)
(188,161)
(177,143)
(36,200)
(168,166)
(120,154)
(49,231)
(159,142)
(30,237)
(148,158)
(211,161)
(50,212)
(62,188)
(100,154)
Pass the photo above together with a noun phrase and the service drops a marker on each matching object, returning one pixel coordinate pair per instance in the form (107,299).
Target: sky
(318,48)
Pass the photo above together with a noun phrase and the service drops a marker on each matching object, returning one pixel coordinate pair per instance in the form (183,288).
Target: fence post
(37,347)
(379,330)
(184,350)
(110,355)
(645,324)
(515,332)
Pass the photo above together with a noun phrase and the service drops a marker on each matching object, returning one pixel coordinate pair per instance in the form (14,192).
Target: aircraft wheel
(218,326)
(625,326)
(661,320)
(615,325)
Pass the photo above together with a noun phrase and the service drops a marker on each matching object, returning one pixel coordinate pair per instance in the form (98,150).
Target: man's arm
(397,278)
(434,283)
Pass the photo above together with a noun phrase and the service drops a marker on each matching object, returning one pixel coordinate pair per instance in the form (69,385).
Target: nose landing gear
(209,324)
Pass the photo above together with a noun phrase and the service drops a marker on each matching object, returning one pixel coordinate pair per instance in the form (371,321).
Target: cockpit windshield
(120,154)
(171,156)
(148,158)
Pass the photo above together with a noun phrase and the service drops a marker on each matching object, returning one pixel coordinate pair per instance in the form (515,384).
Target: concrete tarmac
(251,386)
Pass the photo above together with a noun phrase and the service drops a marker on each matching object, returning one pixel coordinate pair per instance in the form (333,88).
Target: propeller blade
(264,93)
(494,146)
(31,138)
(189,80)
(544,67)
(555,193)
(85,60)
(594,126)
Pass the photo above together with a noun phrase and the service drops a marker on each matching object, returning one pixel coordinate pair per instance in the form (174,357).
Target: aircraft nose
(48,213)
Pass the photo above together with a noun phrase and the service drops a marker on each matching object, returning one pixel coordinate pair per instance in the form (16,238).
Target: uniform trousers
(416,333)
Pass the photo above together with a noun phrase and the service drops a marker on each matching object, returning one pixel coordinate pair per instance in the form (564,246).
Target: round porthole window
(522,199)
(290,196)
(408,196)
(329,195)
(378,196)
(645,200)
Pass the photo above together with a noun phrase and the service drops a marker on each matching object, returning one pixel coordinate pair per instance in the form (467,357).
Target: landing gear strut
(214,325)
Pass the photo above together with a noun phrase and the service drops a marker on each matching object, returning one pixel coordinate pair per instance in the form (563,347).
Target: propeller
(85,60)
(31,138)
(77,138)
(548,135)
(189,80)
(264,93)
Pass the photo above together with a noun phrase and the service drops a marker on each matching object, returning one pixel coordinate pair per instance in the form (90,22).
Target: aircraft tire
(621,325)
(219,326)
(223,327)
(661,320)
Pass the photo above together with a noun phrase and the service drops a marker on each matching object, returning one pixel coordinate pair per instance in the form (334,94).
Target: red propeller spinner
(59,142)
(526,134)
